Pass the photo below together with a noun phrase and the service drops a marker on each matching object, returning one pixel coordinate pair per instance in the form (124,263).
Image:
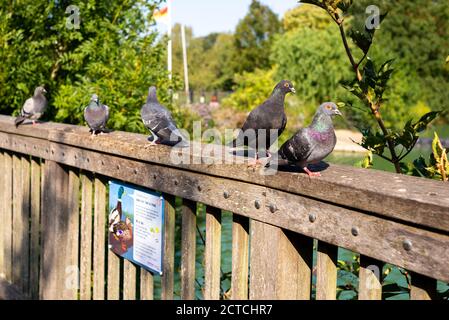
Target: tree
(112,53)
(209,59)
(305,16)
(253,38)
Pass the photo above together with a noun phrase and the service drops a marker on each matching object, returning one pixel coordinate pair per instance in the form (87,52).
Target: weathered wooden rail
(53,210)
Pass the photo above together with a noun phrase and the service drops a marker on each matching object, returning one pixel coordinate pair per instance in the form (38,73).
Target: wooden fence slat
(188,250)
(2,214)
(7,216)
(280,263)
(167,278)
(35,227)
(326,271)
(25,233)
(54,231)
(99,232)
(86,237)
(423,288)
(370,286)
(212,270)
(129,280)
(72,237)
(146,285)
(240,257)
(113,288)
(17,221)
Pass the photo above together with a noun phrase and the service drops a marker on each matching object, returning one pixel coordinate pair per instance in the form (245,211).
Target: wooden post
(113,289)
(99,232)
(212,272)
(2,214)
(280,263)
(146,285)
(423,288)
(7,216)
(188,250)
(86,237)
(72,280)
(55,216)
(370,286)
(326,284)
(240,257)
(18,222)
(169,248)
(129,280)
(35,227)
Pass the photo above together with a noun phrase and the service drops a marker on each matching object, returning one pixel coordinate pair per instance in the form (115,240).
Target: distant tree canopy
(254,36)
(111,54)
(209,59)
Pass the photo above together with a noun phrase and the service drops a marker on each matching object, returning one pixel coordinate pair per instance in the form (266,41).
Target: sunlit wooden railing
(53,190)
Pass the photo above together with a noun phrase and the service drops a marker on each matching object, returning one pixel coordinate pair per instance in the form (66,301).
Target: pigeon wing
(297,149)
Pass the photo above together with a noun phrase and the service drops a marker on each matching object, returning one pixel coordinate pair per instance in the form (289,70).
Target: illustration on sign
(136,218)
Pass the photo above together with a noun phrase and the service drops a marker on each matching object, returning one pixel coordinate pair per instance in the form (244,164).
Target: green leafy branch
(369,86)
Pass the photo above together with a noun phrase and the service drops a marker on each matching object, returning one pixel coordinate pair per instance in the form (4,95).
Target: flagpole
(170,48)
(186,68)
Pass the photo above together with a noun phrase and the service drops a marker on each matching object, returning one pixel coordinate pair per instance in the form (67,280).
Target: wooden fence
(53,189)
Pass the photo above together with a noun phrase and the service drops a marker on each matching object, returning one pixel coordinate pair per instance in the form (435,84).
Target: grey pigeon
(314,143)
(160,122)
(96,115)
(33,107)
(269,116)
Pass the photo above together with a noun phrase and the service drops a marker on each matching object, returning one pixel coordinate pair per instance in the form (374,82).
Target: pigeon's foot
(312,174)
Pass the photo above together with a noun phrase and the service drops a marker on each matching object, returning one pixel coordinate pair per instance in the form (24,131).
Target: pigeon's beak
(292,90)
(44,91)
(337,112)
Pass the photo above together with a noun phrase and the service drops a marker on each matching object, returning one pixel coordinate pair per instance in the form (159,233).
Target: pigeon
(33,107)
(160,122)
(96,115)
(314,143)
(269,116)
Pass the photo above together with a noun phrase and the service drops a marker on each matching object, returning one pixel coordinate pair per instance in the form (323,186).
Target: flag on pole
(162,16)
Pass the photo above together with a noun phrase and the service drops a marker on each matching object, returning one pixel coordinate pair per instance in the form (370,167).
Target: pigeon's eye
(328,107)
(286,85)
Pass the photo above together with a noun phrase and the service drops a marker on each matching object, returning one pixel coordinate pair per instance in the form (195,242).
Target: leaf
(362,40)
(422,123)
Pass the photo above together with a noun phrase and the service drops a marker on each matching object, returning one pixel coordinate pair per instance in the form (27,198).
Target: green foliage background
(111,54)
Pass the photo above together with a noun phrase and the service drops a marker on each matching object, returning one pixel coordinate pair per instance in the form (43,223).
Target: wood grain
(7,216)
(370,285)
(240,257)
(167,278)
(326,271)
(188,250)
(35,227)
(99,232)
(146,285)
(423,288)
(280,264)
(86,237)
(2,214)
(129,280)
(212,269)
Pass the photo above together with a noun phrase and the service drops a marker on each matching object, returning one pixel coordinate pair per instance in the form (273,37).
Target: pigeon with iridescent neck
(314,143)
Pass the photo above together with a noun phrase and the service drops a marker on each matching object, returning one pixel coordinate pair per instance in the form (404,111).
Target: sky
(206,16)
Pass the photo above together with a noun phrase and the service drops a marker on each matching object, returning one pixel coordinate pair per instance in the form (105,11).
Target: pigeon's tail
(19,121)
